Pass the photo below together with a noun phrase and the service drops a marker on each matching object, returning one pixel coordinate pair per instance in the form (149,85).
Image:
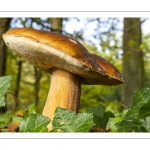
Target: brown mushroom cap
(112,76)
(47,50)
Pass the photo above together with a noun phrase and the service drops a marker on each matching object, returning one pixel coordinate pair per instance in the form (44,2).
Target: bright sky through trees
(74,25)
(80,24)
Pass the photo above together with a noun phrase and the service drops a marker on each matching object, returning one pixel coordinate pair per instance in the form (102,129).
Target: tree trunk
(4,26)
(18,83)
(133,70)
(38,75)
(56,24)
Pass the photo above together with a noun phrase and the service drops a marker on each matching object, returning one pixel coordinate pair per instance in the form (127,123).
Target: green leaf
(16,119)
(69,121)
(34,123)
(147,123)
(97,111)
(144,111)
(118,118)
(31,109)
(131,120)
(141,98)
(100,117)
(4,86)
(5,118)
(131,125)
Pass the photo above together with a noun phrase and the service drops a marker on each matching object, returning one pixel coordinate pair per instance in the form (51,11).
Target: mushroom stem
(64,92)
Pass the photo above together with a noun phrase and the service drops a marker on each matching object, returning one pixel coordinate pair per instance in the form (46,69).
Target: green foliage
(111,48)
(34,123)
(141,98)
(112,121)
(136,119)
(131,125)
(68,121)
(4,86)
(19,115)
(30,121)
(100,117)
(31,109)
(145,47)
(147,123)
(133,120)
(5,119)
(92,95)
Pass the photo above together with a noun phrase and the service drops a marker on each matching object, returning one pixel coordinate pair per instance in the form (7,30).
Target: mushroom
(68,62)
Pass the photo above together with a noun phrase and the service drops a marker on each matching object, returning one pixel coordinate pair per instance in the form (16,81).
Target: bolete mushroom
(69,63)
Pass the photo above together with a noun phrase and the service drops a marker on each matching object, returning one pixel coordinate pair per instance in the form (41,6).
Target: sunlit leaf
(148,122)
(4,86)
(34,123)
(131,120)
(141,98)
(118,118)
(69,121)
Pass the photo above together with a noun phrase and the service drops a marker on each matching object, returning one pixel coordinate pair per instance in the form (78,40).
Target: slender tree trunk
(4,26)
(56,24)
(133,70)
(38,75)
(18,83)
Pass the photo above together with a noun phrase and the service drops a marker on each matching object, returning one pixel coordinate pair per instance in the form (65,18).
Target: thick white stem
(64,92)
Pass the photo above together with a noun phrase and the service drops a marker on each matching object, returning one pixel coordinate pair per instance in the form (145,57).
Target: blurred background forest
(121,41)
